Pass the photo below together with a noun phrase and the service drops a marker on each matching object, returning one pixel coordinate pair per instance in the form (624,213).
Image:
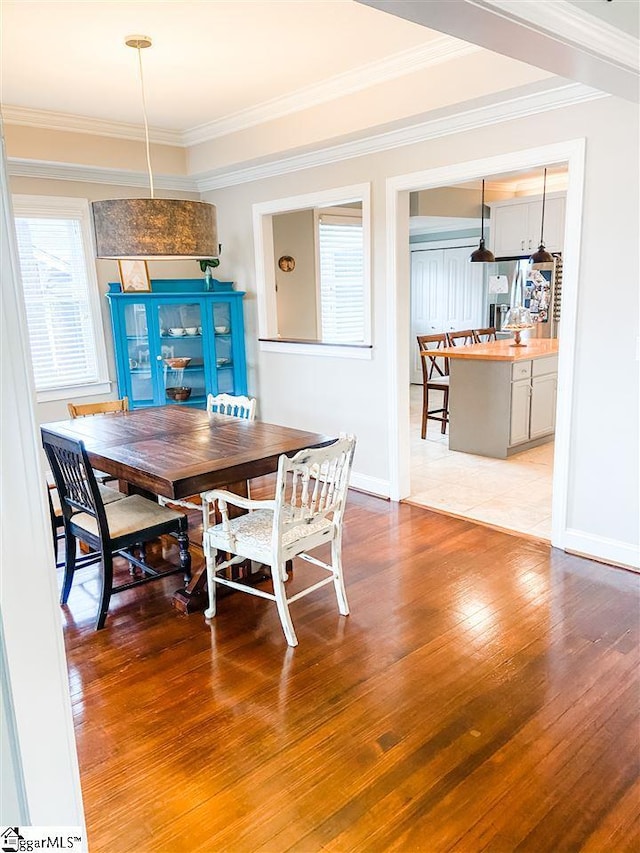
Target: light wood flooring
(514,493)
(481,696)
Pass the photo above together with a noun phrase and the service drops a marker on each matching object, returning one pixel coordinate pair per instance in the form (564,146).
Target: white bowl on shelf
(221,330)
(191,330)
(176,332)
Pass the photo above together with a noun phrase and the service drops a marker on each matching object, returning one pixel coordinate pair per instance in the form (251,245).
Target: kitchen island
(502,398)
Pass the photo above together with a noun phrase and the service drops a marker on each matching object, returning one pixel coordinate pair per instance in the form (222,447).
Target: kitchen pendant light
(153,228)
(482,255)
(541,256)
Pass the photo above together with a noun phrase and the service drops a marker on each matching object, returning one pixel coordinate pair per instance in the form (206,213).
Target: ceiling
(209,60)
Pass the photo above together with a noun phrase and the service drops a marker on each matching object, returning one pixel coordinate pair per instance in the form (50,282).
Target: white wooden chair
(235,407)
(307,511)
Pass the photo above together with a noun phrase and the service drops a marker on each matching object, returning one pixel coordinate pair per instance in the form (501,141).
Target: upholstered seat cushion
(127,516)
(108,496)
(255,530)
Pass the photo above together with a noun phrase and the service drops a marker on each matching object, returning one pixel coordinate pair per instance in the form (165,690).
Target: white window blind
(60,319)
(342,298)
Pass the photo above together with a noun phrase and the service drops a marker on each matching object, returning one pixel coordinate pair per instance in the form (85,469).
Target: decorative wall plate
(286,263)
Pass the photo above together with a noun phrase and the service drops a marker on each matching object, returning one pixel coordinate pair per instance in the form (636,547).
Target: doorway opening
(508,486)
(401,346)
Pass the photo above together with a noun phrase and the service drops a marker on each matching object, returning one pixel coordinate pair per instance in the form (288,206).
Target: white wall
(603,487)
(294,235)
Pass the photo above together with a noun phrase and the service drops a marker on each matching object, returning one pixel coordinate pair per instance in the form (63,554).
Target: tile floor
(513,493)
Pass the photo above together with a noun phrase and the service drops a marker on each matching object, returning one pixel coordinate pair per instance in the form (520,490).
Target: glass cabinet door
(140,385)
(222,327)
(181,358)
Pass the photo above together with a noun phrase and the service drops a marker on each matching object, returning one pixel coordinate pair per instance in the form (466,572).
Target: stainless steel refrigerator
(541,293)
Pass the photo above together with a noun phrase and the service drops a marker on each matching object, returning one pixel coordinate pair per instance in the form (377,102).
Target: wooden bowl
(177,363)
(179,393)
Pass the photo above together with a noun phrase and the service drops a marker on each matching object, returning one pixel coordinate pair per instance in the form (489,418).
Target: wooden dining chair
(460,338)
(483,336)
(83,410)
(306,512)
(435,377)
(57,519)
(235,407)
(104,407)
(110,529)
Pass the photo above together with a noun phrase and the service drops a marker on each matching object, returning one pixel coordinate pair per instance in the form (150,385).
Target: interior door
(463,291)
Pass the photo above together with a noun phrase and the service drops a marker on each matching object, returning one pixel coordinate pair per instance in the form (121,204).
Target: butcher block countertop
(503,350)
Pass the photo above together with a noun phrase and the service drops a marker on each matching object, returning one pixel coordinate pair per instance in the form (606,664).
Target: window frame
(265,274)
(62,207)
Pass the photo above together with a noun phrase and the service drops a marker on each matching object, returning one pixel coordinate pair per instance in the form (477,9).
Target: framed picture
(286,263)
(134,276)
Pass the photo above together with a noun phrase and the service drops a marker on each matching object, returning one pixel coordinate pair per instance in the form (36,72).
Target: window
(61,296)
(341,256)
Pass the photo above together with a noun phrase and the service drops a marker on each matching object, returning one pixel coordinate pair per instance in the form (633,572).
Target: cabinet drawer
(545,365)
(521,370)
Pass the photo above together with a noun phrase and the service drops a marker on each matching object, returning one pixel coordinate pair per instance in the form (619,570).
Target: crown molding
(563,95)
(441,224)
(438,50)
(23,168)
(572,24)
(81,124)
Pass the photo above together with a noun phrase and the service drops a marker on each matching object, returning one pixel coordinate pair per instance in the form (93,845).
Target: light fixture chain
(146,124)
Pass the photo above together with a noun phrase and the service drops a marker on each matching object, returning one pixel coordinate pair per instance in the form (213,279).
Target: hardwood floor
(482,695)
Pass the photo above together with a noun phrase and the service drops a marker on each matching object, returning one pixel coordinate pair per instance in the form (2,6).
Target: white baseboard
(599,548)
(371,485)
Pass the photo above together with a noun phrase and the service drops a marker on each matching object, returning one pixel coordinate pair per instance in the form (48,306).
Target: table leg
(193,596)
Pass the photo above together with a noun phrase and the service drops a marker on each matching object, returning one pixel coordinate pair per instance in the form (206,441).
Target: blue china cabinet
(178,343)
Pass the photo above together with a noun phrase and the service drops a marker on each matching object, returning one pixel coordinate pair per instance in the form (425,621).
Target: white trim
(566,22)
(371,485)
(443,48)
(560,96)
(35,654)
(554,94)
(571,151)
(49,120)
(327,350)
(612,551)
(57,206)
(438,224)
(73,392)
(457,243)
(24,168)
(265,261)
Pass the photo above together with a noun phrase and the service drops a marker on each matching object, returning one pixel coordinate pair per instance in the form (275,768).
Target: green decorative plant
(208,263)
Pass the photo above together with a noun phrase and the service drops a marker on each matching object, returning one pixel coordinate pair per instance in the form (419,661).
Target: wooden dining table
(178,451)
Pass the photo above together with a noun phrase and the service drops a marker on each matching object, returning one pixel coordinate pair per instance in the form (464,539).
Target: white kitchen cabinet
(447,294)
(520,411)
(543,405)
(533,400)
(515,225)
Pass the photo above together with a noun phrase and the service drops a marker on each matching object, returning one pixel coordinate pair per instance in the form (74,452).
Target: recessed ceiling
(209,60)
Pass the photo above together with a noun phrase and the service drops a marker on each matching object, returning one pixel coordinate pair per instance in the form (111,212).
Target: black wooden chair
(108,528)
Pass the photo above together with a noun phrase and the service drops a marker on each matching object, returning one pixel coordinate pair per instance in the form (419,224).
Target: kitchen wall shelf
(218,362)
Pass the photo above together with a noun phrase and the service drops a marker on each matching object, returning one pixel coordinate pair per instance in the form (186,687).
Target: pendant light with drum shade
(541,256)
(482,255)
(153,228)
